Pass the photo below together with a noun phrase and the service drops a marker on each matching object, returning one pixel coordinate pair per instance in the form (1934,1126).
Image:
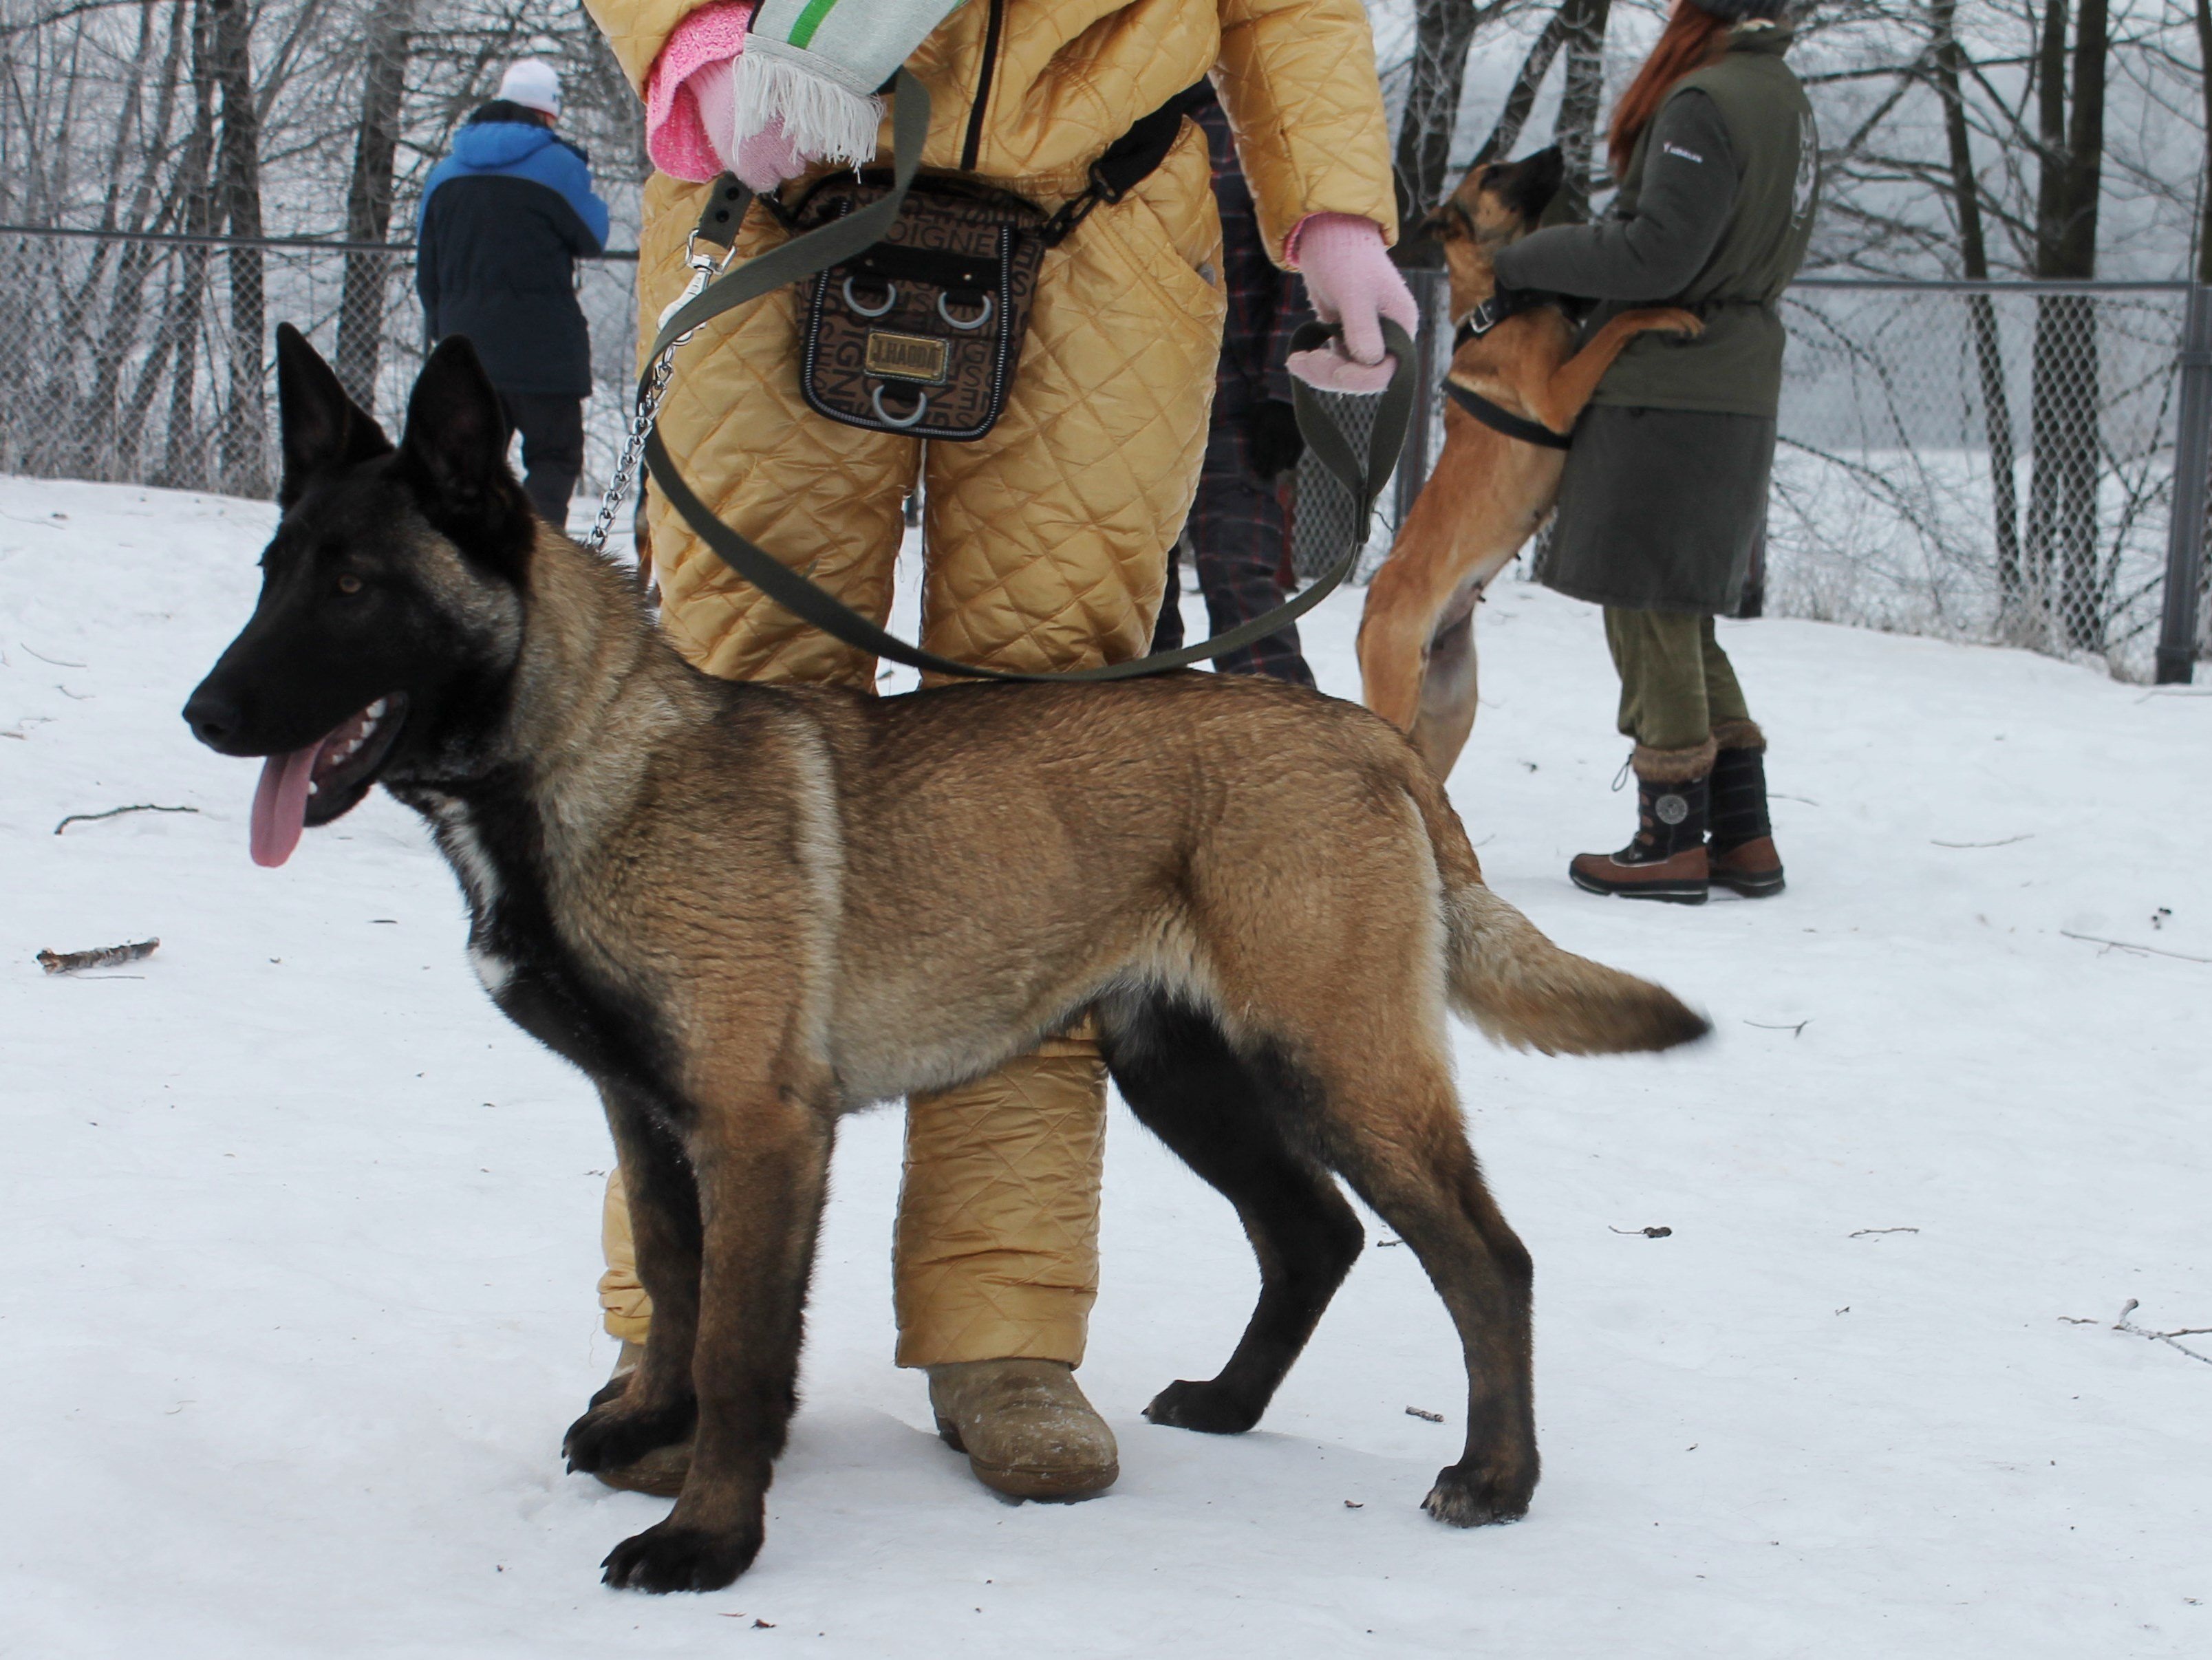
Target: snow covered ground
(300,1236)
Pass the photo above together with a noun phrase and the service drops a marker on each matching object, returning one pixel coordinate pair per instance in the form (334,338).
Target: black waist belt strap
(840,240)
(1505,421)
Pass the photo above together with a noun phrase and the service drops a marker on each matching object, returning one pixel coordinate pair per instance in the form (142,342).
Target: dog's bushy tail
(1523,991)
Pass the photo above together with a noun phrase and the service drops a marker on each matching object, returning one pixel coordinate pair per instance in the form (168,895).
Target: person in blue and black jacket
(505,218)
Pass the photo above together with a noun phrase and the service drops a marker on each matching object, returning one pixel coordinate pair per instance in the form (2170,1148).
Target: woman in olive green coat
(1665,490)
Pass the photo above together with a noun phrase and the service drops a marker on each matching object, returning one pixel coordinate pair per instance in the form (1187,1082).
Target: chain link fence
(146,360)
(1992,462)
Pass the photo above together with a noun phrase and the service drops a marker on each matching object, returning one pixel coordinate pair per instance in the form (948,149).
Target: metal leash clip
(705,268)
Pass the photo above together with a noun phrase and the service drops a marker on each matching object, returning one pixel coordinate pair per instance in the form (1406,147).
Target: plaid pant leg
(1240,538)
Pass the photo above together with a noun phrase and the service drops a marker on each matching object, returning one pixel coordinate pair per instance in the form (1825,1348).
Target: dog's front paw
(1208,1408)
(612,1435)
(669,1557)
(1466,1498)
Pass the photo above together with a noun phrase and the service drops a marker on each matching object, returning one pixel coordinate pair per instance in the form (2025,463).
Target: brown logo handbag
(921,334)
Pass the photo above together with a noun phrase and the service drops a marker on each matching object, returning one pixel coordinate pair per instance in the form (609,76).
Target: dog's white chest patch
(479,879)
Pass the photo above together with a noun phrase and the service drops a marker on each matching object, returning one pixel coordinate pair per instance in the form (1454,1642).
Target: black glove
(1271,435)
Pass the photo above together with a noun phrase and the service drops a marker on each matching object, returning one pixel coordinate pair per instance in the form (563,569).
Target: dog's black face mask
(1527,186)
(391,608)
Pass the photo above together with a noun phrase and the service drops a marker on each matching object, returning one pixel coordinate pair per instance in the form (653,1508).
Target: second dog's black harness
(1502,304)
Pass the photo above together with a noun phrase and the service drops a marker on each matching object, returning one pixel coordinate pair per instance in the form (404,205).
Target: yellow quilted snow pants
(1046,545)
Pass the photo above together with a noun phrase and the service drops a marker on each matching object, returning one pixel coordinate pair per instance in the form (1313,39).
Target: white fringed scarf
(815,66)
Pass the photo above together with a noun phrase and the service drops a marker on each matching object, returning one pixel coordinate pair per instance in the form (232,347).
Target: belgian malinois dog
(746,909)
(1489,492)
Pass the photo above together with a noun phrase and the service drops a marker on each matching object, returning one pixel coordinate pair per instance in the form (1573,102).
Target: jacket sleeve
(1690,180)
(426,270)
(637,29)
(1297,78)
(591,211)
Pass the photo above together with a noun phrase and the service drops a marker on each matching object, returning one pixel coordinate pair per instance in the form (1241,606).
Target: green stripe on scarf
(809,20)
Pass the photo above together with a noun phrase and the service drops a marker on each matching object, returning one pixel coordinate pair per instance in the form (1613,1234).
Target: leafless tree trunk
(184,456)
(2203,19)
(118,344)
(244,441)
(1443,30)
(368,199)
(2062,514)
(1974,261)
(1575,129)
(1526,85)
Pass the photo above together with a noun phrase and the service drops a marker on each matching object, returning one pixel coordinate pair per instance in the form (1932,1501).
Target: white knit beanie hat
(531,82)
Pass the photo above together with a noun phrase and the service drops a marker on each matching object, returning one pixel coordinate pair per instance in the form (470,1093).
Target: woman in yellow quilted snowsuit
(1045,539)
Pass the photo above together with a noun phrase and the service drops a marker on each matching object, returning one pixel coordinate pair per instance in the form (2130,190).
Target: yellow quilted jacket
(1033,90)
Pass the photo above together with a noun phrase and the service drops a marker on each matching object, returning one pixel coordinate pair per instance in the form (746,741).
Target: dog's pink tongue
(280,805)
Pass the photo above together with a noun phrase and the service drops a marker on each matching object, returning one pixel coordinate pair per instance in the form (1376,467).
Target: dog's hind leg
(1410,592)
(1393,1132)
(1225,1117)
(654,1405)
(1446,713)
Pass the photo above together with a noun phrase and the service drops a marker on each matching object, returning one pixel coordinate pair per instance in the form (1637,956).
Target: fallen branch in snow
(2133,1330)
(107,957)
(1649,1233)
(2123,945)
(57,662)
(1797,1030)
(1863,1232)
(2027,835)
(115,812)
(1424,1414)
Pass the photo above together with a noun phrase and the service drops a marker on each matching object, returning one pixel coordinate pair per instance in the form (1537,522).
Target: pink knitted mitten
(1350,281)
(690,105)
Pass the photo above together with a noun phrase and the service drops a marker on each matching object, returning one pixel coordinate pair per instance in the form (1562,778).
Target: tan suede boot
(1025,1427)
(660,1472)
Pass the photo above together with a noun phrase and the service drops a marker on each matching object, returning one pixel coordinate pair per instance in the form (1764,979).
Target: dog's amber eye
(348,583)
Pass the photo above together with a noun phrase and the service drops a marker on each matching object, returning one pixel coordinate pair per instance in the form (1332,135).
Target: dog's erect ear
(1528,186)
(454,455)
(322,428)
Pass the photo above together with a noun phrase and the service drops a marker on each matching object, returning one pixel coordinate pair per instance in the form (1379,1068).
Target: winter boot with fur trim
(1667,860)
(1026,1429)
(1740,853)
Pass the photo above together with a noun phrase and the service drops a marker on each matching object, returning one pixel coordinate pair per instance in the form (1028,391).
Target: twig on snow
(1649,1233)
(2123,945)
(114,813)
(1864,1232)
(1424,1414)
(2134,1330)
(57,662)
(2026,836)
(1797,1030)
(107,957)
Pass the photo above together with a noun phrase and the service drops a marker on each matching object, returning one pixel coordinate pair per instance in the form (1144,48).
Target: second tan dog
(1489,492)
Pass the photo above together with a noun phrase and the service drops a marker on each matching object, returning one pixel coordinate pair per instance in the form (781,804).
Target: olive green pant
(1676,683)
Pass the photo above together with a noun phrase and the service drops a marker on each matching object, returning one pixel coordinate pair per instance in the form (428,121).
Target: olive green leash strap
(817,251)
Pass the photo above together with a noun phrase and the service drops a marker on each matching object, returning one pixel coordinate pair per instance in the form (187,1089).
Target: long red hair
(1692,39)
